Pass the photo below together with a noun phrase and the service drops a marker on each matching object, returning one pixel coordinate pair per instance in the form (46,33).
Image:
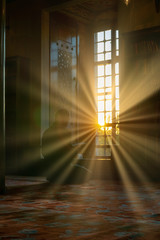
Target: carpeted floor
(34,209)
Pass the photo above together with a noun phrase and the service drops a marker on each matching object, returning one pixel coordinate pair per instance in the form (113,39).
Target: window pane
(109,117)
(100,36)
(117,116)
(109,131)
(117,131)
(108,56)
(108,90)
(117,80)
(100,82)
(100,90)
(101,97)
(108,152)
(74,61)
(100,106)
(100,57)
(117,105)
(99,151)
(108,69)
(117,44)
(100,140)
(108,96)
(117,92)
(117,53)
(108,105)
(108,46)
(100,47)
(100,70)
(101,119)
(103,152)
(117,33)
(100,130)
(117,68)
(108,81)
(108,34)
(108,140)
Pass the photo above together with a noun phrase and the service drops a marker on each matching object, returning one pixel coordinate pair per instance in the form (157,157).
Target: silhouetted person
(57,146)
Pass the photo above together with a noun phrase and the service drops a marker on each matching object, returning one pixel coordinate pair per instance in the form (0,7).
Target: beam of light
(63,142)
(70,166)
(51,148)
(141,175)
(60,145)
(137,166)
(139,85)
(121,158)
(127,182)
(126,2)
(87,173)
(83,110)
(144,180)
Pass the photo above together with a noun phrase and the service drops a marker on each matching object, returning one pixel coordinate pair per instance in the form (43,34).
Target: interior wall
(139,133)
(23,38)
(137,15)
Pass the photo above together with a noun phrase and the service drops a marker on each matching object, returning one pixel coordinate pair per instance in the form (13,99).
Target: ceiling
(88,10)
(83,10)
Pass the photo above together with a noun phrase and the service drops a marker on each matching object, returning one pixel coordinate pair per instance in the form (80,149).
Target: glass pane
(73,41)
(117,92)
(100,36)
(100,47)
(117,130)
(100,91)
(108,140)
(101,97)
(117,105)
(117,68)
(99,151)
(117,80)
(117,53)
(100,57)
(100,106)
(74,61)
(109,117)
(108,90)
(108,56)
(108,34)
(117,44)
(100,131)
(117,116)
(108,105)
(108,69)
(109,131)
(108,96)
(100,82)
(108,81)
(101,119)
(100,140)
(117,33)
(108,46)
(100,70)
(108,152)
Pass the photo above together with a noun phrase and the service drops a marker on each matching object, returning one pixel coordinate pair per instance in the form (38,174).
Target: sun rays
(94,109)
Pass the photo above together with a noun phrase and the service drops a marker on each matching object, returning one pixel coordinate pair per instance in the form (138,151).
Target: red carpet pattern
(95,210)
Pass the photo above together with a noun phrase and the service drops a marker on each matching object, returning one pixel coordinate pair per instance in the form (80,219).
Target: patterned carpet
(34,209)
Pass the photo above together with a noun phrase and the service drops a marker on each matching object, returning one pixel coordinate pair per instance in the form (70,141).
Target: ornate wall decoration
(64,72)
